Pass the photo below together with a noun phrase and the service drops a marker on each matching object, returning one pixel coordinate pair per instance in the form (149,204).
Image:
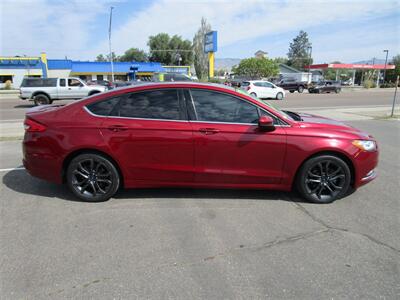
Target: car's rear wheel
(253,94)
(41,99)
(291,91)
(300,89)
(92,177)
(323,179)
(279,96)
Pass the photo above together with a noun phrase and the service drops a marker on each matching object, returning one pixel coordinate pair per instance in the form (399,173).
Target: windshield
(270,105)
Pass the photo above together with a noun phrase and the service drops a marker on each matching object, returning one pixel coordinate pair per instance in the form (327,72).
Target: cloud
(69,28)
(57,27)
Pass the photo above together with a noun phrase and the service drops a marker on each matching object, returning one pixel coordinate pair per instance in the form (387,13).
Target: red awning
(351,66)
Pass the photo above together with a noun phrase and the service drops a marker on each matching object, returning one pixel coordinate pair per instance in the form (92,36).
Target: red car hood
(315,121)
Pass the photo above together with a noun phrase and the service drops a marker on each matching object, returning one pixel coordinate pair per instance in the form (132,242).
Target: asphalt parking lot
(185,244)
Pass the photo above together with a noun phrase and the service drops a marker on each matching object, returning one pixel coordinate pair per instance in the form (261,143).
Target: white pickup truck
(44,90)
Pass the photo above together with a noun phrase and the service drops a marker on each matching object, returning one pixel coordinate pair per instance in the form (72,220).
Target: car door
(150,133)
(76,89)
(230,149)
(269,90)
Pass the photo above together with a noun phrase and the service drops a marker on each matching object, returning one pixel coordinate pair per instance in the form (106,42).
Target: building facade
(14,69)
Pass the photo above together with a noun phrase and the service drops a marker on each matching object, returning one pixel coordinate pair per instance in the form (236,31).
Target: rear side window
(245,83)
(39,82)
(158,104)
(103,108)
(218,107)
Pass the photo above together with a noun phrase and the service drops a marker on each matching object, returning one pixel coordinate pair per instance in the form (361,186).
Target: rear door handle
(117,128)
(208,131)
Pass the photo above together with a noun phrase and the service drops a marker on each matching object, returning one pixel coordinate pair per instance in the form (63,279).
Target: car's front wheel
(323,179)
(92,177)
(279,96)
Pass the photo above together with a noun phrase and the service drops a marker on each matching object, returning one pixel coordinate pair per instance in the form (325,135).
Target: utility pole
(109,42)
(309,69)
(384,71)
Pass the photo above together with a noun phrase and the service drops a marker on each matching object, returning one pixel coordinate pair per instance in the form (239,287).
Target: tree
(281,60)
(391,75)
(256,68)
(100,57)
(168,50)
(134,54)
(299,51)
(200,58)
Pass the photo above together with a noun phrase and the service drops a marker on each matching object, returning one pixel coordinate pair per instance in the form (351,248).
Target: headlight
(365,145)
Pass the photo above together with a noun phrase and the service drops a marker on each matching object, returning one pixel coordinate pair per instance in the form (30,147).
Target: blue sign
(210,42)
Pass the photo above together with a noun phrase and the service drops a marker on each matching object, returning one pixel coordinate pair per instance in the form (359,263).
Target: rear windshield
(39,82)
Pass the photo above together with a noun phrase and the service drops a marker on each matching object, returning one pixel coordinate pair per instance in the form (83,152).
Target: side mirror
(266,123)
(81,85)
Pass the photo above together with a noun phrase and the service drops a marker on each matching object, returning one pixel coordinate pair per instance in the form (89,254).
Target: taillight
(248,87)
(33,126)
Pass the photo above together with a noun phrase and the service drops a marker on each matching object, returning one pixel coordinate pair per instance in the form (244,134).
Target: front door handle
(117,128)
(208,131)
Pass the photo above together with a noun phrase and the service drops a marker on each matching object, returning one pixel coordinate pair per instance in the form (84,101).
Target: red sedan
(193,135)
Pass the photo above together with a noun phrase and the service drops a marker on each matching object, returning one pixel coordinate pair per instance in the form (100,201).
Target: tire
(92,177)
(41,99)
(279,96)
(291,92)
(253,94)
(300,89)
(323,179)
(337,91)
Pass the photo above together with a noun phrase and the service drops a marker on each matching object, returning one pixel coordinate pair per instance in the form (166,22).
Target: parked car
(327,86)
(347,82)
(45,90)
(292,85)
(193,135)
(263,89)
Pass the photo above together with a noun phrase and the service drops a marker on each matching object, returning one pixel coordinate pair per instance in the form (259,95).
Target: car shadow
(24,106)
(21,182)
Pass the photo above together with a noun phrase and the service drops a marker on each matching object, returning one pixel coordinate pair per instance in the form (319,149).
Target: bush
(388,85)
(216,80)
(369,84)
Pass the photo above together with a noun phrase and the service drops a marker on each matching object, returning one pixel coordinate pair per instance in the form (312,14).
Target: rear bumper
(40,162)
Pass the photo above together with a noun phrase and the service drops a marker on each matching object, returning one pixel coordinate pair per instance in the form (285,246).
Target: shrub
(216,80)
(8,85)
(369,84)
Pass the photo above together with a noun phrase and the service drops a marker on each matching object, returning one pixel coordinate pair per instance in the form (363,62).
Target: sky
(345,31)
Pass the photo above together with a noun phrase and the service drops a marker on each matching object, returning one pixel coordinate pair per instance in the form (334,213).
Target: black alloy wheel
(324,179)
(92,177)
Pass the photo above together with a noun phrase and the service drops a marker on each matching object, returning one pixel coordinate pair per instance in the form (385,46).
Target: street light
(384,71)
(109,42)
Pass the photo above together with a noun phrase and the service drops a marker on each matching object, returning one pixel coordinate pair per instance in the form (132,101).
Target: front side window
(62,82)
(74,82)
(158,104)
(218,107)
